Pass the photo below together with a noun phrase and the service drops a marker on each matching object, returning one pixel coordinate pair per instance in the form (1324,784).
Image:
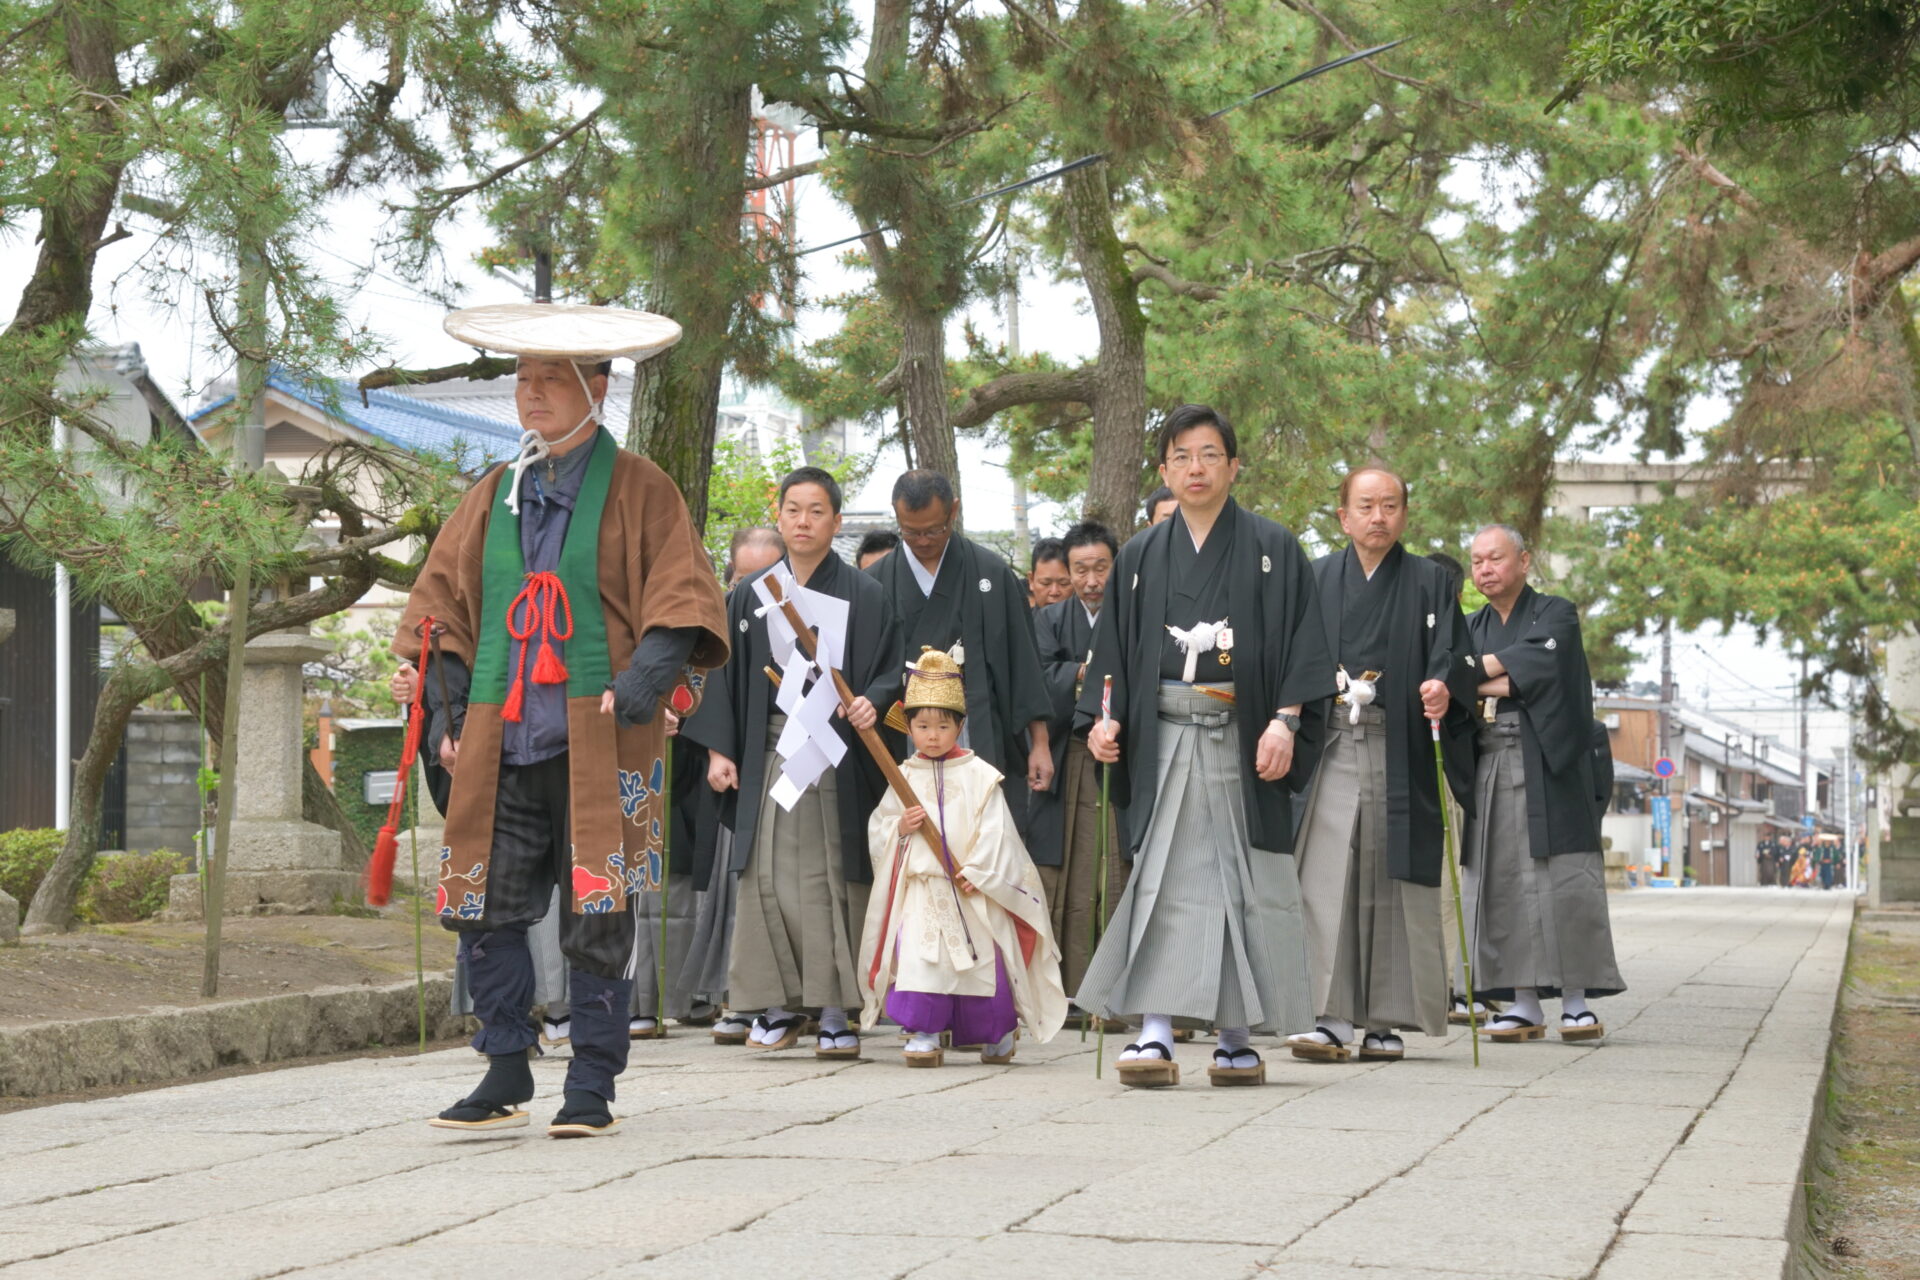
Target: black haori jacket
(1553,691)
(732,719)
(1065,638)
(1427,641)
(1279,658)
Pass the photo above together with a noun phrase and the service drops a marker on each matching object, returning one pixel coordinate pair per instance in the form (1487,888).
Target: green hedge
(120,887)
(357,753)
(25,856)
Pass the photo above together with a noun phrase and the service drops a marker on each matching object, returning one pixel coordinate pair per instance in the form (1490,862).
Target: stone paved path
(1673,1150)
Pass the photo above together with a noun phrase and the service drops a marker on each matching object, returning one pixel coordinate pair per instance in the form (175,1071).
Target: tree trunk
(676,397)
(61,288)
(1120,377)
(923,391)
(51,910)
(918,287)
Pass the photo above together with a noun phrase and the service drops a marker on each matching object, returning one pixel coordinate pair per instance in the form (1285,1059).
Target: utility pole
(1666,743)
(1016,456)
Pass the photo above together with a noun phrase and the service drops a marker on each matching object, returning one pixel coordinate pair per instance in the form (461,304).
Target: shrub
(124,887)
(26,856)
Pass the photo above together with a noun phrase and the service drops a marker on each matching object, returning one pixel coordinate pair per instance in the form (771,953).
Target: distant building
(138,412)
(1732,787)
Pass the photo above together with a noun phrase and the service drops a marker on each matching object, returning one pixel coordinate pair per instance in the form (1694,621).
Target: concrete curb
(170,1044)
(1730,1202)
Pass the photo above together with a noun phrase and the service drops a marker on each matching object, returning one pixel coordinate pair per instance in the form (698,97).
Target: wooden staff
(876,747)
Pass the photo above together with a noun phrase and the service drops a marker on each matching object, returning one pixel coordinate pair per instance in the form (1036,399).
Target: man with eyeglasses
(1211,633)
(952,594)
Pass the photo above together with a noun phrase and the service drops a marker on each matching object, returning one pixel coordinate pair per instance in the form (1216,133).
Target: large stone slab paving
(1673,1149)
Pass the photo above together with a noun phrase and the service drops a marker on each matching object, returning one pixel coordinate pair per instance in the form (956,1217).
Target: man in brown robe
(568,592)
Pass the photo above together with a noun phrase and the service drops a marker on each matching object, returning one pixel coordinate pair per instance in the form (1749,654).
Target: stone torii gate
(1580,488)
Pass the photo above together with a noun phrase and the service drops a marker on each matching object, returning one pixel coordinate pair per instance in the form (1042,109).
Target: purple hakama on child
(971,1019)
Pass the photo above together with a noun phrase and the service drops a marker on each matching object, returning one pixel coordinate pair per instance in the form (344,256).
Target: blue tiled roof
(407,422)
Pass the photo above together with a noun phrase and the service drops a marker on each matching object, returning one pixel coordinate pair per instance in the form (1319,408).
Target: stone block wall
(163,756)
(1899,869)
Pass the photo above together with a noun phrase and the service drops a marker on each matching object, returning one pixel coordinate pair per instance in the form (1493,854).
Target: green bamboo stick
(666,869)
(419,942)
(1453,874)
(1100,872)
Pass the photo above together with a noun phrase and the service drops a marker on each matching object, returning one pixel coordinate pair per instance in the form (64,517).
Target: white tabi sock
(759,1035)
(1155,1026)
(641,1024)
(1340,1027)
(1526,1004)
(1234,1041)
(1573,1001)
(923,1042)
(833,1021)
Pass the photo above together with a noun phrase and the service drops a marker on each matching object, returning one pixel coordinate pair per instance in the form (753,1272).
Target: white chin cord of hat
(535,447)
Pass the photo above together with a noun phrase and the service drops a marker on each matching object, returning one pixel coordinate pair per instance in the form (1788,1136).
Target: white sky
(178,344)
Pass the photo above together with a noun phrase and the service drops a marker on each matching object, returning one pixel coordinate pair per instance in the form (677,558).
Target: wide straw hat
(561,331)
(935,681)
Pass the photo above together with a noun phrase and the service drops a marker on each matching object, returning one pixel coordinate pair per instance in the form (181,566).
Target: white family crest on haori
(809,745)
(1200,638)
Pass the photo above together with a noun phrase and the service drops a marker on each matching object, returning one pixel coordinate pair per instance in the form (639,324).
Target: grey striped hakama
(797,925)
(705,973)
(1532,922)
(646,949)
(1379,960)
(1208,929)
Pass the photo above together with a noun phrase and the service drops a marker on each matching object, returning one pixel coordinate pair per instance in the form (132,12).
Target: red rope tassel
(531,614)
(386,845)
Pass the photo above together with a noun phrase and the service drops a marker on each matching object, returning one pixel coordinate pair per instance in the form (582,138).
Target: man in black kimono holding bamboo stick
(1372,844)
(1063,833)
(1212,636)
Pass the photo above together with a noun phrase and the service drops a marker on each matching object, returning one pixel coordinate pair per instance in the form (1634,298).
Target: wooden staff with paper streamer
(876,746)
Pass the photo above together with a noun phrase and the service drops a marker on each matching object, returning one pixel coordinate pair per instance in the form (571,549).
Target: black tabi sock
(509,1080)
(583,1107)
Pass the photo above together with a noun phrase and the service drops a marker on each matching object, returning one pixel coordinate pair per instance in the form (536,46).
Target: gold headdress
(935,681)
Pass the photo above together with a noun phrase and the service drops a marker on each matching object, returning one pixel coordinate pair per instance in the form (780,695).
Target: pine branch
(1010,390)
(783,176)
(477,369)
(1354,46)
(1183,288)
(450,196)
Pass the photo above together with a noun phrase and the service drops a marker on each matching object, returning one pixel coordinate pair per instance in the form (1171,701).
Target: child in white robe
(957,937)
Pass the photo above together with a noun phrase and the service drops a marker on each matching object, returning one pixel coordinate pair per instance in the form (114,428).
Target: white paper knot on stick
(1196,640)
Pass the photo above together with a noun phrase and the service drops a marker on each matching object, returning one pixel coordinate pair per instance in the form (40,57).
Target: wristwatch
(1290,720)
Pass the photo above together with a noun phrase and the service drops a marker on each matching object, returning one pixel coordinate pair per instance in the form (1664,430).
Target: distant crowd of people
(1801,863)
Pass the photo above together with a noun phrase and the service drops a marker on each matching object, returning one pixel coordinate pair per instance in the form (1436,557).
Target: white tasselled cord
(535,447)
(1358,691)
